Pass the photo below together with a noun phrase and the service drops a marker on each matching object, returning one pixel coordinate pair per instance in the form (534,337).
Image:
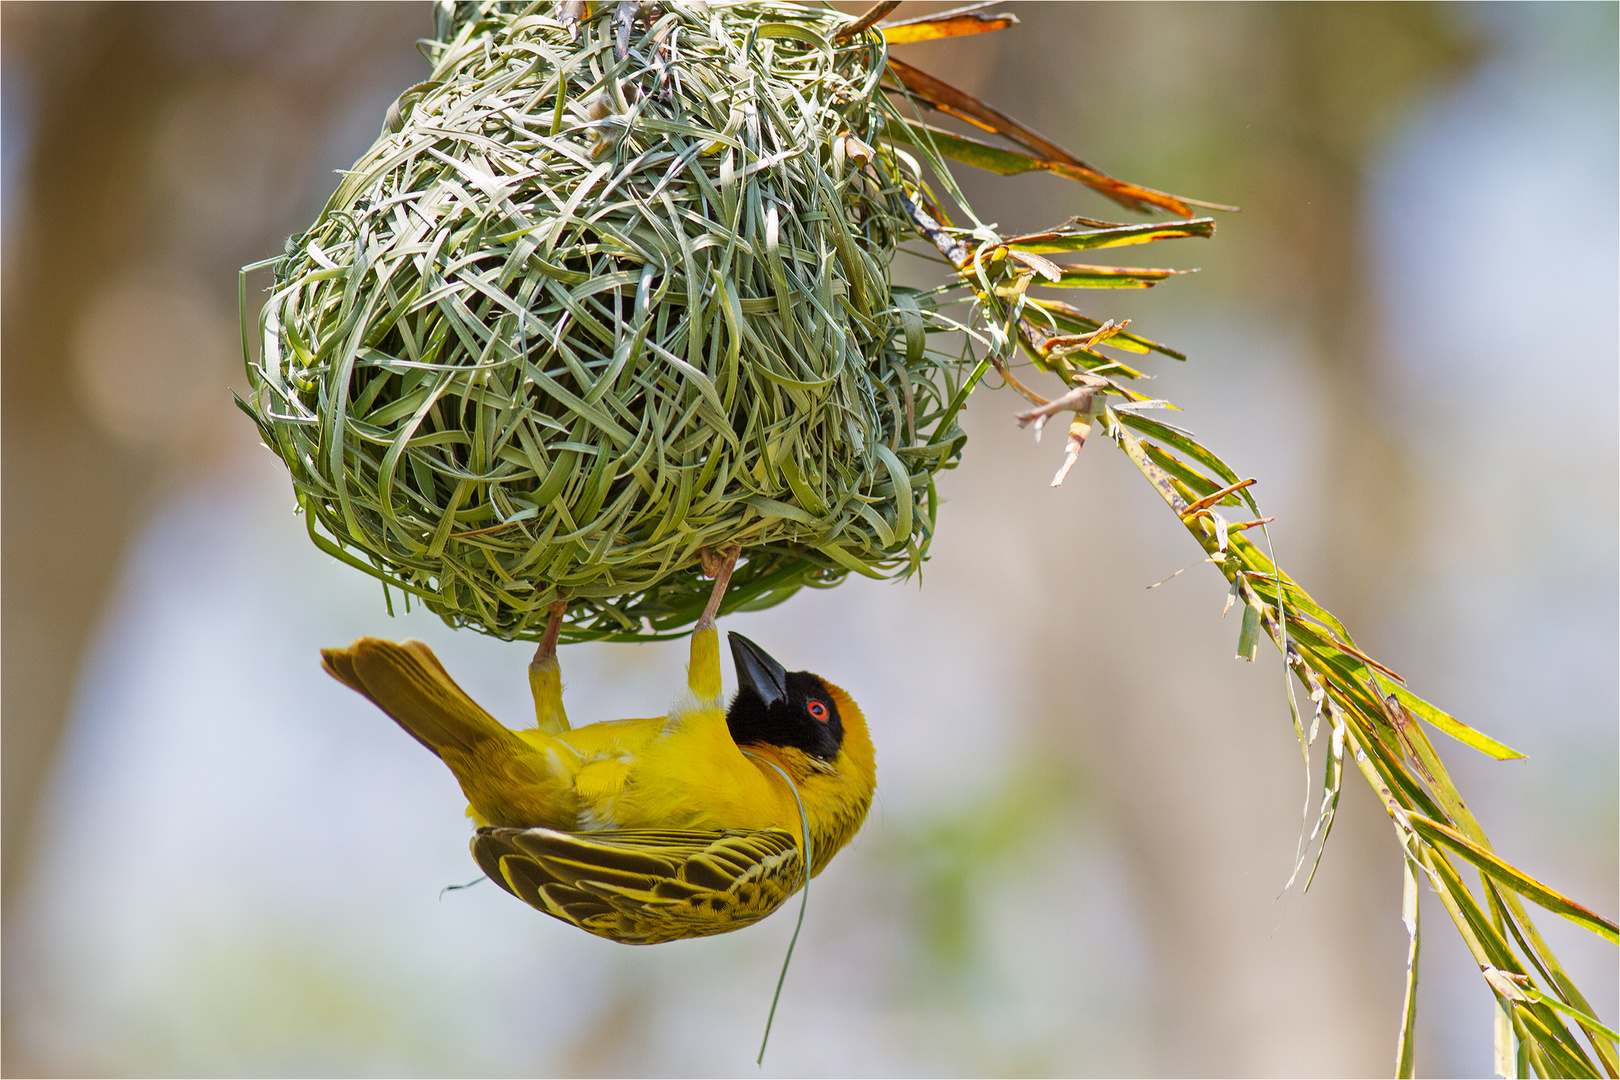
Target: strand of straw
(804,903)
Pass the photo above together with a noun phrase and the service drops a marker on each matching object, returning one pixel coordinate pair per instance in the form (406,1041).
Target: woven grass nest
(604,293)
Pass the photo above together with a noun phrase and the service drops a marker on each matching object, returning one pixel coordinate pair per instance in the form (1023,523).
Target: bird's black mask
(781,708)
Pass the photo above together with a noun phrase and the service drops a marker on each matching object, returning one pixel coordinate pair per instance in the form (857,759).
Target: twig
(1012,381)
(1216,496)
(1071,449)
(868,20)
(949,246)
(1076,400)
(1079,401)
(1063,344)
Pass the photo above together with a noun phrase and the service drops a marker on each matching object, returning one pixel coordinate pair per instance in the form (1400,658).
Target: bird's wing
(644,886)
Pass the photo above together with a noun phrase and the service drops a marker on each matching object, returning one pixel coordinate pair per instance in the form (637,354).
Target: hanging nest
(610,290)
(606,292)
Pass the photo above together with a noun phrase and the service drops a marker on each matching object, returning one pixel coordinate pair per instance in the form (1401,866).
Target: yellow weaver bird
(645,830)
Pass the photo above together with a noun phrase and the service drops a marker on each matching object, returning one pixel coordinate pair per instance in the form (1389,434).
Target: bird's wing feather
(645,885)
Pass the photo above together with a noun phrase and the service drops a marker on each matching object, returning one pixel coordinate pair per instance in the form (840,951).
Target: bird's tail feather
(407,682)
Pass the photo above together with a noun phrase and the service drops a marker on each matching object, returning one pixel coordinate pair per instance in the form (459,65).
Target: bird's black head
(781,708)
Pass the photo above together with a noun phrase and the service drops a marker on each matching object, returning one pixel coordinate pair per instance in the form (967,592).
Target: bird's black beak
(756,669)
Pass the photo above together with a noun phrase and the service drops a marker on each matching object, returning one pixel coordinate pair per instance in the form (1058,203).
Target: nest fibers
(591,305)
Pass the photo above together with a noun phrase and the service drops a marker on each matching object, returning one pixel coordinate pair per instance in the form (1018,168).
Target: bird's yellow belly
(653,774)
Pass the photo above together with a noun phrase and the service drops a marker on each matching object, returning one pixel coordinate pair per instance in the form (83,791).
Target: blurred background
(218,861)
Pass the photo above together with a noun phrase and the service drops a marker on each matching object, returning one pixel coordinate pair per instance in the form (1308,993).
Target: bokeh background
(218,861)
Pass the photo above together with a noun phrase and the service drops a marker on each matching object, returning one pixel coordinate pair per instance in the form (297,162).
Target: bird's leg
(703,670)
(718,567)
(545,676)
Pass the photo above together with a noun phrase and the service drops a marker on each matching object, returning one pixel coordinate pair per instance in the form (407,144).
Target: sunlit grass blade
(1456,728)
(1508,986)
(1409,915)
(1563,1062)
(1542,956)
(1056,240)
(1373,715)
(980,155)
(1516,879)
(1076,276)
(948,99)
(1070,318)
(1492,949)
(958,22)
(1332,788)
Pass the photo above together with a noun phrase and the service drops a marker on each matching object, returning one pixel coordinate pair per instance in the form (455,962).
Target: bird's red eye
(818,711)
